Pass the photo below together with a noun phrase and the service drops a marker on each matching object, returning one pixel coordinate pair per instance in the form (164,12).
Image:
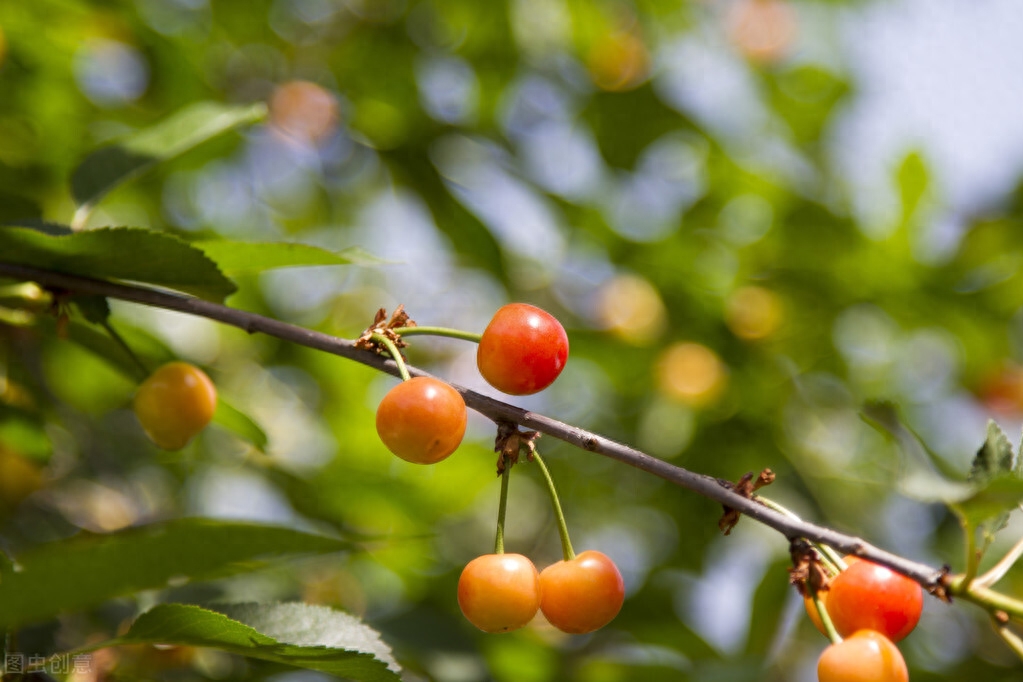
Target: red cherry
(873,597)
(522,350)
(499,592)
(583,594)
(421,420)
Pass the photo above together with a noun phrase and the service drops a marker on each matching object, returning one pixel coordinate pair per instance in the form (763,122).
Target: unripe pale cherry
(583,594)
(421,420)
(499,592)
(864,656)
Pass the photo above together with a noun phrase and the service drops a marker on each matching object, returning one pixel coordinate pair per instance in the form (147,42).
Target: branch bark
(496,410)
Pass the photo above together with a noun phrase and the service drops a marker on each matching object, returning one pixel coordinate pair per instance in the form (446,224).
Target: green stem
(559,516)
(829,627)
(502,509)
(831,557)
(998,571)
(972,556)
(438,331)
(1010,638)
(126,348)
(985,597)
(395,355)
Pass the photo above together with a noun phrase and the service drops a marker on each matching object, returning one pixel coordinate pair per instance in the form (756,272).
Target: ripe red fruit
(523,349)
(581,595)
(174,404)
(499,592)
(864,656)
(869,596)
(421,420)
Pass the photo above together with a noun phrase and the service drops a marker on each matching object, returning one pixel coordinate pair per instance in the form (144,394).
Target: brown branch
(496,410)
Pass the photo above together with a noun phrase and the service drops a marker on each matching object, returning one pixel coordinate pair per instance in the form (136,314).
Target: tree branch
(494,409)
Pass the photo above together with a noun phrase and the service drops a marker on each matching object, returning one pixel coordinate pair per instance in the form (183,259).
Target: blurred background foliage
(693,187)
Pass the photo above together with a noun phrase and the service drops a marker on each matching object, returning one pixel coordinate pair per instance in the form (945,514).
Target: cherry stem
(1011,639)
(559,516)
(985,597)
(502,509)
(998,571)
(438,331)
(392,350)
(830,556)
(119,340)
(972,555)
(822,611)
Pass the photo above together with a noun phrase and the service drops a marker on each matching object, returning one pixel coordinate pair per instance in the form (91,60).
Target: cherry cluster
(863,607)
(871,607)
(422,420)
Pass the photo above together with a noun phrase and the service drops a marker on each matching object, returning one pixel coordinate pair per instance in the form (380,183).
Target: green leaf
(251,257)
(95,309)
(131,156)
(925,477)
(25,436)
(994,457)
(913,180)
(239,423)
(86,570)
(128,253)
(992,502)
(768,613)
(313,637)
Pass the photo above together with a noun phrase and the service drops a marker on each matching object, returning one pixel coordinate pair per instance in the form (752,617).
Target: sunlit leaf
(239,423)
(304,636)
(235,257)
(86,570)
(994,457)
(131,156)
(127,253)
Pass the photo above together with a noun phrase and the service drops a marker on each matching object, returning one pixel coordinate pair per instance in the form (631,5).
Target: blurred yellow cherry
(753,313)
(691,373)
(631,308)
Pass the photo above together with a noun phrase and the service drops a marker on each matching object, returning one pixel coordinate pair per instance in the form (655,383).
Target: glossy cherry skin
(581,595)
(864,656)
(499,592)
(522,350)
(174,404)
(867,596)
(421,420)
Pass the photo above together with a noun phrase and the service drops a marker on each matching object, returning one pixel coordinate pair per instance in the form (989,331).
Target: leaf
(992,469)
(313,637)
(131,156)
(768,613)
(85,570)
(251,257)
(128,253)
(146,347)
(307,625)
(95,309)
(994,457)
(239,423)
(926,477)
(913,180)
(991,502)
